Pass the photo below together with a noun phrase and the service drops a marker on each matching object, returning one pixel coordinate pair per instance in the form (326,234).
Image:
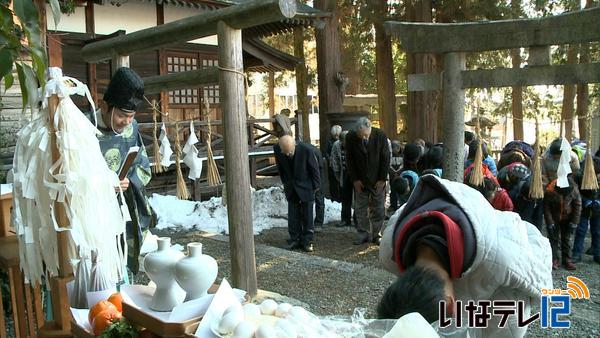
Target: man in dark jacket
(368,164)
(299,173)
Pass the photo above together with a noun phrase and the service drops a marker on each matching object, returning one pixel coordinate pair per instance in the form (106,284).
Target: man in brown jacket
(562,210)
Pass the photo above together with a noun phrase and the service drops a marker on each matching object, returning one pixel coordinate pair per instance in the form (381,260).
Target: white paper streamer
(80,179)
(191,155)
(564,166)
(165,147)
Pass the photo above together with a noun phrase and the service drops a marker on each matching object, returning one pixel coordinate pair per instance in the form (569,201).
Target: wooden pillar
(568,105)
(301,82)
(454,117)
(271,91)
(232,98)
(60,301)
(54,51)
(162,62)
(90,28)
(329,65)
(41,8)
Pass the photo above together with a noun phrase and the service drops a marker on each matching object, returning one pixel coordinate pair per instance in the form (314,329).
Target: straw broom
(477,178)
(182,191)
(157,167)
(589,181)
(212,176)
(536,189)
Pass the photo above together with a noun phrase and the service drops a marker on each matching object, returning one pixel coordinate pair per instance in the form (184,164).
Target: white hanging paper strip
(80,179)
(191,155)
(564,166)
(165,147)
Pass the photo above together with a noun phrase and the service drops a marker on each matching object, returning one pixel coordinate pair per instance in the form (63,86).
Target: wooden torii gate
(453,40)
(227,24)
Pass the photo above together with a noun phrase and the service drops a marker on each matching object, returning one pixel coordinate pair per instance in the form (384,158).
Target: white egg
(287,327)
(268,307)
(265,331)
(244,329)
(230,321)
(283,309)
(298,313)
(251,311)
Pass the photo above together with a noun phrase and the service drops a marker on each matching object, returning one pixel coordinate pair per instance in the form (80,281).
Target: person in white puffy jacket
(448,243)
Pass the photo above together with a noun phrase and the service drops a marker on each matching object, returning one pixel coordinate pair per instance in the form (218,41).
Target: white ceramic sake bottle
(196,273)
(159,267)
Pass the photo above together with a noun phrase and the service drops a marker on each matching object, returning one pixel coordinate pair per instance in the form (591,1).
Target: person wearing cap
(118,132)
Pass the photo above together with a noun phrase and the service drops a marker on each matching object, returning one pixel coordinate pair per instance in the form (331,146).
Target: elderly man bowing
(368,164)
(299,172)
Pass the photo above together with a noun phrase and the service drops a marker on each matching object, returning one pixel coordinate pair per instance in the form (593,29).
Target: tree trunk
(517,91)
(271,91)
(301,81)
(329,68)
(568,98)
(422,116)
(517,99)
(385,73)
(583,97)
(583,91)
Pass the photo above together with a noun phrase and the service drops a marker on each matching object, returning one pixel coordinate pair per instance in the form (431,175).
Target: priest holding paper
(124,151)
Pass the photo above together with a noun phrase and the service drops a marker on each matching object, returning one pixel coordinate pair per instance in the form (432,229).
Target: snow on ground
(269,210)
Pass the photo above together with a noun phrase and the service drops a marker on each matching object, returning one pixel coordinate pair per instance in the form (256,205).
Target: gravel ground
(339,277)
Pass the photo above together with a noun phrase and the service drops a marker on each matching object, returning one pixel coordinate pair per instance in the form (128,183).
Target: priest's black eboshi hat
(125,90)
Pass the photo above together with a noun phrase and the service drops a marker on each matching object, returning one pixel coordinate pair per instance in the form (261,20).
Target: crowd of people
(367,171)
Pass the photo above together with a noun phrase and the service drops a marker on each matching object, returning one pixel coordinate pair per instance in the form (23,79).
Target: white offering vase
(159,268)
(196,272)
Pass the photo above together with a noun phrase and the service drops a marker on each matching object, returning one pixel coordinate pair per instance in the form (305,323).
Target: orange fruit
(117,301)
(99,307)
(104,319)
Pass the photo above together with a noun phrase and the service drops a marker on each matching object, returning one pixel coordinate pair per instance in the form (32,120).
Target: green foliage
(120,329)
(21,40)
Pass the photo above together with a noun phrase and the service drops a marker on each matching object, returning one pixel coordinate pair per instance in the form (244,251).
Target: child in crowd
(562,210)
(498,197)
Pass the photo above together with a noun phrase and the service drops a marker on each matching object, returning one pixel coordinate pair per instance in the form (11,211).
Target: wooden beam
(182,80)
(532,76)
(454,117)
(248,14)
(232,97)
(508,77)
(572,27)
